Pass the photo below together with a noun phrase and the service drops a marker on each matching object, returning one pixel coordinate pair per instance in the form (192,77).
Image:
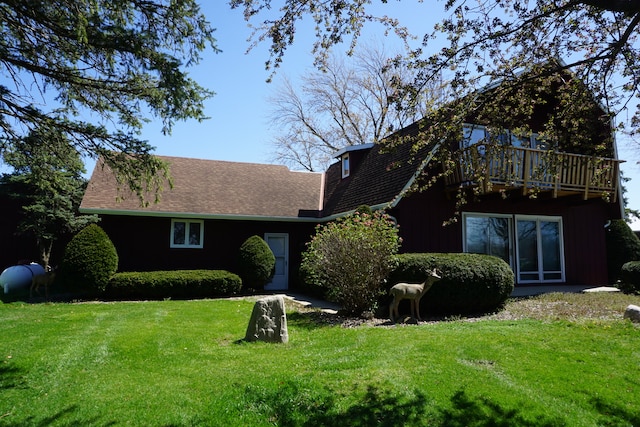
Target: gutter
(195,215)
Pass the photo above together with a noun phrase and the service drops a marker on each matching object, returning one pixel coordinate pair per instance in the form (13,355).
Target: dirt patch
(575,307)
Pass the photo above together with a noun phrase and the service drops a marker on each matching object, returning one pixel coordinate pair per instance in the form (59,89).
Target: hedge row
(179,284)
(471,283)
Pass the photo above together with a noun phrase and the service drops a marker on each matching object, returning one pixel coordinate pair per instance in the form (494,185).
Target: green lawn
(181,363)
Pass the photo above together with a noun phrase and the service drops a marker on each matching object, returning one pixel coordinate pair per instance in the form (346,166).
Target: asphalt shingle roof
(379,178)
(211,187)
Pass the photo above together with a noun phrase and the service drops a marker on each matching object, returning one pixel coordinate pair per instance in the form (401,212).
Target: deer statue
(46,279)
(413,292)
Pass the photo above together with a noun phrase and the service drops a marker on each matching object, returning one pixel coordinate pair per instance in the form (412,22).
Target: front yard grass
(181,363)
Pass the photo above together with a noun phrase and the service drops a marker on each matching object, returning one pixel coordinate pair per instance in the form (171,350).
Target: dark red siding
(143,243)
(421,218)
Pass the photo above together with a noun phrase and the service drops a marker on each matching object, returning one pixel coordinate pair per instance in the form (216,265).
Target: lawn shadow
(380,408)
(616,414)
(292,405)
(64,417)
(10,377)
(482,412)
(312,319)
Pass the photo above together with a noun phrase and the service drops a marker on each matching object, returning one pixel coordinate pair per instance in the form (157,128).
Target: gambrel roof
(381,176)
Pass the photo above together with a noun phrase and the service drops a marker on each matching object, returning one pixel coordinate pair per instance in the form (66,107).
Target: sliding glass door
(539,249)
(532,245)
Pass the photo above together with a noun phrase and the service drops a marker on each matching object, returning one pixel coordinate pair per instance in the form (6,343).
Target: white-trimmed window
(532,245)
(345,165)
(187,233)
(539,248)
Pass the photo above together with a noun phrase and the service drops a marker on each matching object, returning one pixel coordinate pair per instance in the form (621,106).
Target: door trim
(285,280)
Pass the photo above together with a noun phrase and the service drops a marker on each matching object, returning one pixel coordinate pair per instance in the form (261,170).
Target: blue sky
(238,128)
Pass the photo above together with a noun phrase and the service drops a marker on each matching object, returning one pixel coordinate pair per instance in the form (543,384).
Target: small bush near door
(350,257)
(471,283)
(630,278)
(256,263)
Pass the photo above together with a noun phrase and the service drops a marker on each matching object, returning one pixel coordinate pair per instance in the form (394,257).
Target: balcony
(493,169)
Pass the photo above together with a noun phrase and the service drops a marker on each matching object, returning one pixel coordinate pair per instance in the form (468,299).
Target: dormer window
(345,165)
(346,162)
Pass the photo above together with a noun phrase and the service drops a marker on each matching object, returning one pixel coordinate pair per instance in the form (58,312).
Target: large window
(473,134)
(187,233)
(489,235)
(532,245)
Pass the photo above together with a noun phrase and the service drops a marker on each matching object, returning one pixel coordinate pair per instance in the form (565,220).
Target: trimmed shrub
(471,283)
(179,284)
(630,277)
(622,246)
(256,263)
(90,260)
(351,257)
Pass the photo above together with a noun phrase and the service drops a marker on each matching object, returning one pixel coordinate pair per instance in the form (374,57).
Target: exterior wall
(421,217)
(143,243)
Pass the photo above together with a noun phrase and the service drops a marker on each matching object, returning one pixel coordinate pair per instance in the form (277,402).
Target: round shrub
(471,283)
(630,277)
(89,260)
(256,263)
(622,246)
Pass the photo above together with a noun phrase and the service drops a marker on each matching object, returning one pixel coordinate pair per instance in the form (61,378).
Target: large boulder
(632,313)
(268,321)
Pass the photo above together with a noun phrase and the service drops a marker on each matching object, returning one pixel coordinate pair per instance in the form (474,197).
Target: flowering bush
(351,257)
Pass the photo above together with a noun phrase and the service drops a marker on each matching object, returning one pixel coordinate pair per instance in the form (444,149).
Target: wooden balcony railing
(506,167)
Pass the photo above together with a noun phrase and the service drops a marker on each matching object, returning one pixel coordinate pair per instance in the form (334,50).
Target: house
(556,237)
(212,209)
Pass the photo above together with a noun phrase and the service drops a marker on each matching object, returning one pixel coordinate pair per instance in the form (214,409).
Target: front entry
(279,244)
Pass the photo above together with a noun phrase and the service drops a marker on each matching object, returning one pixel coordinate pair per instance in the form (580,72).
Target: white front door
(279,244)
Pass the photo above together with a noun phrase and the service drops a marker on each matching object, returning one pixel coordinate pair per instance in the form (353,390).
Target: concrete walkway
(304,300)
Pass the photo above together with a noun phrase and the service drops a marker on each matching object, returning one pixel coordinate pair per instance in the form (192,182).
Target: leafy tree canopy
(486,41)
(106,65)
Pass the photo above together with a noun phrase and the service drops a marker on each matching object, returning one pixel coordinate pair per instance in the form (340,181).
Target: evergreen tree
(117,62)
(48,180)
